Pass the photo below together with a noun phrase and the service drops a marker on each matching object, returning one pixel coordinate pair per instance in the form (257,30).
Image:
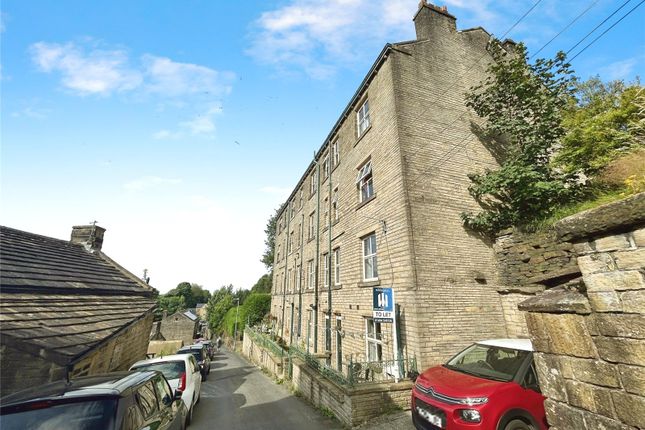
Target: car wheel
(518,424)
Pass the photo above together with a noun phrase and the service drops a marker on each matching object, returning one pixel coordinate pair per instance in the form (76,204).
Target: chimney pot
(89,235)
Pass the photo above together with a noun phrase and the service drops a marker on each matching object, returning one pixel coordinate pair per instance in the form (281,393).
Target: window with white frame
(290,243)
(370,263)
(313,184)
(373,340)
(334,205)
(289,281)
(364,182)
(302,192)
(312,225)
(335,153)
(363,117)
(337,266)
(311,274)
(326,270)
(326,212)
(326,166)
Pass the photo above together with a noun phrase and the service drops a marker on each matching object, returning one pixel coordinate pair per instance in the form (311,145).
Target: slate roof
(59,300)
(191,315)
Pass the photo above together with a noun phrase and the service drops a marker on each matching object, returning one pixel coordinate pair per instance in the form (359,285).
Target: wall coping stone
(521,289)
(622,215)
(557,300)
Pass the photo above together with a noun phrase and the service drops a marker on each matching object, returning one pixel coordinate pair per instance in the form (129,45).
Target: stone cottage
(182,325)
(67,308)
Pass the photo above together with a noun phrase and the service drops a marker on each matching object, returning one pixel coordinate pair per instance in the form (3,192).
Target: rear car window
(170,369)
(197,353)
(84,415)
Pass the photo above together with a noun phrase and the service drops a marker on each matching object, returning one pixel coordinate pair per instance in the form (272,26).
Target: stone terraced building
(380,204)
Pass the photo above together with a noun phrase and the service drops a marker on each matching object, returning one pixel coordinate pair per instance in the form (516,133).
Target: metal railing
(356,372)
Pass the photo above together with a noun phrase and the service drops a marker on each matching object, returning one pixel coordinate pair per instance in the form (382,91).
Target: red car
(491,385)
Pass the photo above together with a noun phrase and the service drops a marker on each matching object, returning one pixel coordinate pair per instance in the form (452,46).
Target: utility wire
(565,28)
(604,32)
(596,27)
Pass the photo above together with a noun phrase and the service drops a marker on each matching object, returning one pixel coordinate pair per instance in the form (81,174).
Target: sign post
(383,312)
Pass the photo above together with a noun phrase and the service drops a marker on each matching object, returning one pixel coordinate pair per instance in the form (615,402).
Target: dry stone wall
(590,341)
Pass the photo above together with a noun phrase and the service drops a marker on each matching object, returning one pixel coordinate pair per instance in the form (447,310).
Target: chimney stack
(432,21)
(89,235)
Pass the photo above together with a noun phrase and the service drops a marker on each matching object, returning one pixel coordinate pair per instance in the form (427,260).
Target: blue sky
(181,125)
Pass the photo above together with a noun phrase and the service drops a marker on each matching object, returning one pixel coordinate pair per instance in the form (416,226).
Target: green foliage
(263,285)
(256,307)
(606,120)
(218,305)
(170,304)
(269,242)
(192,293)
(522,105)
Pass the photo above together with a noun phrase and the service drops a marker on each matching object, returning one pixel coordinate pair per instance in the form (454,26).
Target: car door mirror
(166,400)
(178,394)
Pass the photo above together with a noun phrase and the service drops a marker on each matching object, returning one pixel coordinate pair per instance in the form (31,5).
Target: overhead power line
(598,26)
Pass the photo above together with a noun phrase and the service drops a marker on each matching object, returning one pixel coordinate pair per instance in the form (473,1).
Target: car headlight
(470,415)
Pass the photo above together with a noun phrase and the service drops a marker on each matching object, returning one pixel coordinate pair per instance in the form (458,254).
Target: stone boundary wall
(351,406)
(590,341)
(528,259)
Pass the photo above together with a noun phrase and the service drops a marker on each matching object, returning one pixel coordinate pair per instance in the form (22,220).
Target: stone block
(639,237)
(621,350)
(633,379)
(605,301)
(589,397)
(596,263)
(633,301)
(582,248)
(568,335)
(630,259)
(539,337)
(598,422)
(611,243)
(615,281)
(562,416)
(630,409)
(550,377)
(595,372)
(621,325)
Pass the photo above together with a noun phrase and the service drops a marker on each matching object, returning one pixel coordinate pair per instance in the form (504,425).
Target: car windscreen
(170,369)
(490,362)
(47,415)
(197,353)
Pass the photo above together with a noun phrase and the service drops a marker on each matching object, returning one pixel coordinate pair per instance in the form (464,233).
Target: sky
(180,126)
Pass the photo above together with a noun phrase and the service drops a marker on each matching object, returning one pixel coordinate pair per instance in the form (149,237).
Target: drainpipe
(329,271)
(302,240)
(286,273)
(317,265)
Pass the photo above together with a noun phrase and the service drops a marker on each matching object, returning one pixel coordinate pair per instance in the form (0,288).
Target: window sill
(364,202)
(367,284)
(363,134)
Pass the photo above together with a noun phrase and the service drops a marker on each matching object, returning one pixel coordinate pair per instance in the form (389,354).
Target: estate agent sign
(383,308)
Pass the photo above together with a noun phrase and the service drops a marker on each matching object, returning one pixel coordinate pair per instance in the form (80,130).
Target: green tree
(192,293)
(219,303)
(263,285)
(522,106)
(170,304)
(269,241)
(605,121)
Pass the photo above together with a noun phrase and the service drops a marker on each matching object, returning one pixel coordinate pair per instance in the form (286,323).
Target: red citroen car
(491,385)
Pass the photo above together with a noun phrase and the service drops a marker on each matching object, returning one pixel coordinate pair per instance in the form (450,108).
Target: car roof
(109,385)
(194,346)
(162,359)
(521,344)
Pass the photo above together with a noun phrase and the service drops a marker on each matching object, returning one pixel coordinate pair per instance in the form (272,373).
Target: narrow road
(237,395)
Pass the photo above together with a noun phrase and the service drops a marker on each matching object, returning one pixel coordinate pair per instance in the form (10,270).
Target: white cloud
(147,182)
(97,72)
(619,70)
(165,134)
(87,69)
(170,78)
(31,112)
(201,124)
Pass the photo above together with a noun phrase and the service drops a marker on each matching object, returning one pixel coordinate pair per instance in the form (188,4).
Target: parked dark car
(209,347)
(200,353)
(115,401)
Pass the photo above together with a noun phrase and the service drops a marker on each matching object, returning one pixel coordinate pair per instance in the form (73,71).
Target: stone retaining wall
(351,405)
(590,341)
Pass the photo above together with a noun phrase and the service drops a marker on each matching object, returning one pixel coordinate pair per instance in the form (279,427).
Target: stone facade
(179,327)
(443,278)
(590,341)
